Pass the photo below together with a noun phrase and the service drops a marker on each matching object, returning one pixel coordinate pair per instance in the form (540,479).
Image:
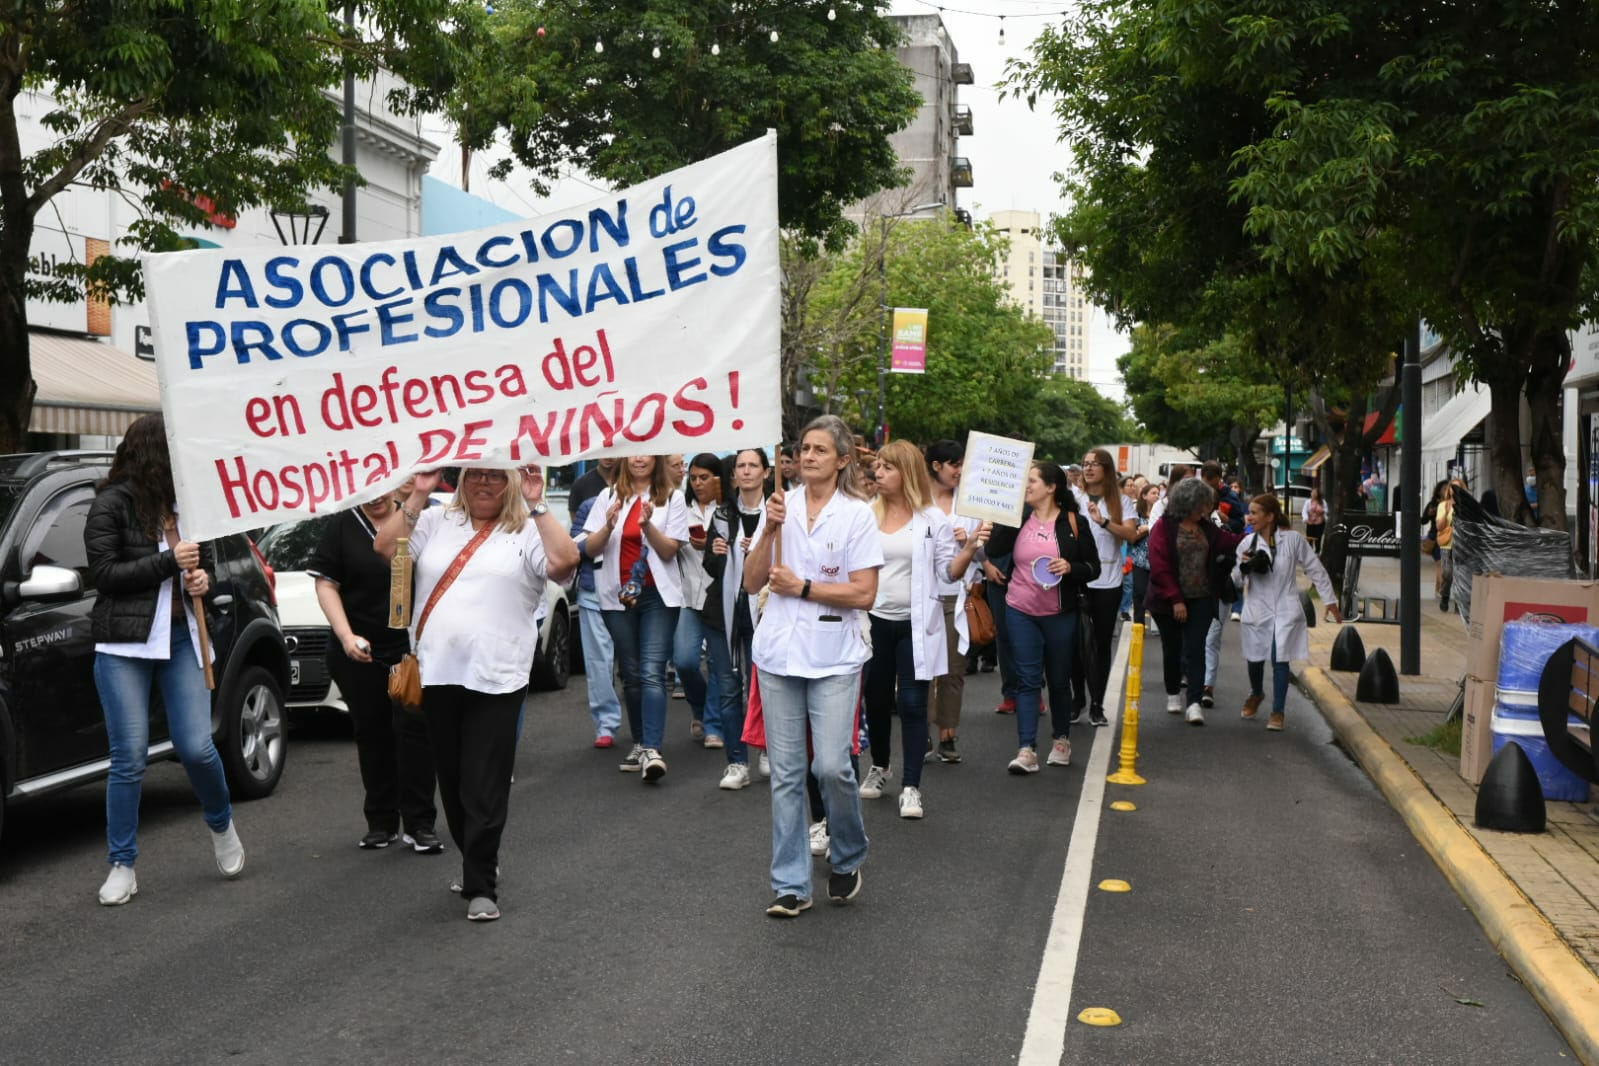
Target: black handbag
(1221,578)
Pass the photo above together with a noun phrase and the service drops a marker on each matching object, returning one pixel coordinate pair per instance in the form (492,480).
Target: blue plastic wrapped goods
(1525,648)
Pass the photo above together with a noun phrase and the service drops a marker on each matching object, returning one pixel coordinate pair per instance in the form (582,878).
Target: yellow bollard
(1128,774)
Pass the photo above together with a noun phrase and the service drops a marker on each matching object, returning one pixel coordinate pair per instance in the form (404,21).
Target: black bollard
(1379,682)
(1309,607)
(1349,651)
(1510,798)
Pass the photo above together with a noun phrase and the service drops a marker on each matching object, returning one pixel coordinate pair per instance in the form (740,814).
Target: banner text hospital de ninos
(298,383)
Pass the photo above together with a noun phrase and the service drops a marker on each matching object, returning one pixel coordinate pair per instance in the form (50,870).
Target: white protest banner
(302,380)
(994,478)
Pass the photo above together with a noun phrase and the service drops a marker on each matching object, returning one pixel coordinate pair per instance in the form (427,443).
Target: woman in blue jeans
(809,648)
(694,637)
(145,632)
(1053,558)
(636,527)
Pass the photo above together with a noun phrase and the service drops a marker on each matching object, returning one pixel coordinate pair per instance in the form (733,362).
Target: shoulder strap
(1071,516)
(451,574)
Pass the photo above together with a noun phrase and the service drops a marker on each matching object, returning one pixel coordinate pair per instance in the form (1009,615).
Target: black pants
(1182,646)
(1140,590)
(391,747)
(474,743)
(1101,606)
(891,685)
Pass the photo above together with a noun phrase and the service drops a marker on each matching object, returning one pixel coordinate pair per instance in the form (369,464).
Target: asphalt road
(1280,913)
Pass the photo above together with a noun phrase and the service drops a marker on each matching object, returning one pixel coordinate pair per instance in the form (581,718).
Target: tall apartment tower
(1042,280)
(928,145)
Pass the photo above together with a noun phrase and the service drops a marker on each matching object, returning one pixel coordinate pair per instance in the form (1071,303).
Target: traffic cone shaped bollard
(1349,651)
(1379,681)
(1510,797)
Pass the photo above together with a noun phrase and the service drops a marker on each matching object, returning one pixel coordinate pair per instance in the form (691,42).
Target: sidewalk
(1536,895)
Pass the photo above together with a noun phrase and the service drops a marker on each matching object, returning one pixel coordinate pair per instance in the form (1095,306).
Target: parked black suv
(52,732)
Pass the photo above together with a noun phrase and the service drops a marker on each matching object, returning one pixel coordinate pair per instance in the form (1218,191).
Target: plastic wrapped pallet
(1487,544)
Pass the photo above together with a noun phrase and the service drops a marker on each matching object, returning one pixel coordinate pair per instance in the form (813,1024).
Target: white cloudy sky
(1014,150)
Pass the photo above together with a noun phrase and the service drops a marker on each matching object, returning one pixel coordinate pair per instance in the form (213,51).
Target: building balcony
(960,170)
(963,121)
(961,74)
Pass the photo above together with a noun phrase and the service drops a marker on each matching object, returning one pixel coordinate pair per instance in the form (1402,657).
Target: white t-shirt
(481,634)
(894,580)
(804,638)
(1107,543)
(670,518)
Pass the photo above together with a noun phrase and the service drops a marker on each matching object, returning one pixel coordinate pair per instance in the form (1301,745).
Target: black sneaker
(424,842)
(788,906)
(1077,713)
(1207,696)
(1096,715)
(947,752)
(378,838)
(841,888)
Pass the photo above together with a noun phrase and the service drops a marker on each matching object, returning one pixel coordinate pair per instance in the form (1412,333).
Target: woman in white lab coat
(1269,561)
(909,642)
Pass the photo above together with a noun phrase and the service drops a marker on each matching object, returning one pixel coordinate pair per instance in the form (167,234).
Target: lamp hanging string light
(1002,31)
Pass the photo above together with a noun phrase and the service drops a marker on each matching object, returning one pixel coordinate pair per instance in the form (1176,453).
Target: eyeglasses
(491,476)
(1091,462)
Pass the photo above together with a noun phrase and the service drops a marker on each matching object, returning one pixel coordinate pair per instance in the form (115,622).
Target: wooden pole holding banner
(205,643)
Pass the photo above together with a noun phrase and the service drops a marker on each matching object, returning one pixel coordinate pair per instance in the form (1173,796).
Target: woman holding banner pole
(819,554)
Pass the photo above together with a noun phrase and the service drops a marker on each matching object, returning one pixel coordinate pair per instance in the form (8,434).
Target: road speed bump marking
(1099,1016)
(1123,805)
(1113,885)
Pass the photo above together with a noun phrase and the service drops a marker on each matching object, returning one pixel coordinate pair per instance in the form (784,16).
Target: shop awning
(1317,458)
(1442,433)
(1390,436)
(88,387)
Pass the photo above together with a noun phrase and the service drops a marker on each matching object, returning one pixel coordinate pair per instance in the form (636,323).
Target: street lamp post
(881,436)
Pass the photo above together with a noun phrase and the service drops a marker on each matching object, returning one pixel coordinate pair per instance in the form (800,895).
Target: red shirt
(633,544)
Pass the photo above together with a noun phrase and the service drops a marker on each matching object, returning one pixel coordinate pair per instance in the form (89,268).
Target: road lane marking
(1050,1013)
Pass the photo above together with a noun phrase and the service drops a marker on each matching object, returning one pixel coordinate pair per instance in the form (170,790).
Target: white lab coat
(934,538)
(1271,600)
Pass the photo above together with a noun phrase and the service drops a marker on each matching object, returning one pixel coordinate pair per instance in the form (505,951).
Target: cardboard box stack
(1495,600)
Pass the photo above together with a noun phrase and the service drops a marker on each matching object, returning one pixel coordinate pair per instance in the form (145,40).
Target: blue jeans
(704,696)
(894,660)
(827,706)
(598,659)
(124,687)
(1043,647)
(994,593)
(724,702)
(643,637)
(1280,677)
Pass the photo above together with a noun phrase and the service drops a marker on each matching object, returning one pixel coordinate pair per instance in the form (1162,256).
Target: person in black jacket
(149,581)
(1053,558)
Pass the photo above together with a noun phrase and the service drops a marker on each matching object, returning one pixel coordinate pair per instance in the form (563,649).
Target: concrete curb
(1562,984)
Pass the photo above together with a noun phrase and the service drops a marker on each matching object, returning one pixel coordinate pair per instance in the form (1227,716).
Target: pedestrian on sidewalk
(909,643)
(1444,537)
(146,633)
(810,644)
(391,743)
(637,526)
(481,564)
(1053,558)
(1315,514)
(1269,561)
(1138,549)
(1185,548)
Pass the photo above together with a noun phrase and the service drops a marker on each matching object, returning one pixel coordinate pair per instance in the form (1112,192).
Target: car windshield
(290,546)
(8,503)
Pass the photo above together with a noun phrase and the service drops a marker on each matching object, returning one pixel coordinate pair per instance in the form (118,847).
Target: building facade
(1043,281)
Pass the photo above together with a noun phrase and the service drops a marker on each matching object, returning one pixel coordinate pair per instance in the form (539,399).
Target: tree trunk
(1505,468)
(1249,471)
(16,372)
(1544,396)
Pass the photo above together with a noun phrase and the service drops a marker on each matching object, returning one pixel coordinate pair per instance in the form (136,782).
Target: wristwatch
(540,508)
(805,593)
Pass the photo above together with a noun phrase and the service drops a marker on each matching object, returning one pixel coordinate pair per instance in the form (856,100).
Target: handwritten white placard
(994,478)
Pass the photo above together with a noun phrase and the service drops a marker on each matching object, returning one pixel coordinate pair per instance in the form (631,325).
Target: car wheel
(553,665)
(253,738)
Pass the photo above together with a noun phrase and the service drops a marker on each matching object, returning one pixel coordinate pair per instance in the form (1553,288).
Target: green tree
(165,101)
(985,357)
(633,88)
(1066,417)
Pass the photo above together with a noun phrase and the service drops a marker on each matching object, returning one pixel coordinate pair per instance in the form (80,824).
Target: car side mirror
(50,583)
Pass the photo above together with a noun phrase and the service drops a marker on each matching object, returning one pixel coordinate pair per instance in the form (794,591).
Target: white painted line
(1050,1014)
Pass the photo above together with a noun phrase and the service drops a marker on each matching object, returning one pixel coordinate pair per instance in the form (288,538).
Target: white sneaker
(910,802)
(819,838)
(653,765)
(630,764)
(764,765)
(1194,715)
(1026,762)
(736,776)
(1174,704)
(1060,753)
(229,852)
(120,886)
(872,787)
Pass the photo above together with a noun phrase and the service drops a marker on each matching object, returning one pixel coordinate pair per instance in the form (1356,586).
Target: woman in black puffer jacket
(144,631)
